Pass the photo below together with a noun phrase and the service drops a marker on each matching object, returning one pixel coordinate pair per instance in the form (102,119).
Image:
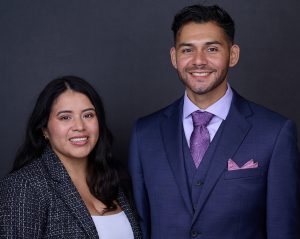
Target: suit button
(199,183)
(195,233)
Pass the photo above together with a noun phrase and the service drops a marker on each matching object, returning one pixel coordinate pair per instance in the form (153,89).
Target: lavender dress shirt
(220,110)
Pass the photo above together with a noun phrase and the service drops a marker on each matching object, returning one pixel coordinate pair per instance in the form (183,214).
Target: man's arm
(139,190)
(283,192)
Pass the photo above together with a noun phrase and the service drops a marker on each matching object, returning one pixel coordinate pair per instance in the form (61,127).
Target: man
(213,165)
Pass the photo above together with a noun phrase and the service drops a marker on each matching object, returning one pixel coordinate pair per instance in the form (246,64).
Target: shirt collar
(220,108)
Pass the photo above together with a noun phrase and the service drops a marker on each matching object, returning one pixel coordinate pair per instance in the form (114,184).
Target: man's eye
(212,49)
(186,50)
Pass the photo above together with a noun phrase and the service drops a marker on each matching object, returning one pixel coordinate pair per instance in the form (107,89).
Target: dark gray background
(122,48)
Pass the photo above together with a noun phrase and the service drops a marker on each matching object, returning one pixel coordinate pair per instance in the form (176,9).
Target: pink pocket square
(231,165)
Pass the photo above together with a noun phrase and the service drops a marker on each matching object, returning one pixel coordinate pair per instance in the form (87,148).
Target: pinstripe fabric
(40,201)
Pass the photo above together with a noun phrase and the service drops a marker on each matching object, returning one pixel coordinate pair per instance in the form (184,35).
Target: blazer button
(194,233)
(199,183)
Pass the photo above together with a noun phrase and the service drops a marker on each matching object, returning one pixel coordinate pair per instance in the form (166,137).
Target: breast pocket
(244,173)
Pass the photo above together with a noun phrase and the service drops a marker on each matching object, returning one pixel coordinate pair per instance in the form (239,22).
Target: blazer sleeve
(139,190)
(20,209)
(283,192)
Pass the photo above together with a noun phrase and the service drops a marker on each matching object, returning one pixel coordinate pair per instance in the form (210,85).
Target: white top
(114,226)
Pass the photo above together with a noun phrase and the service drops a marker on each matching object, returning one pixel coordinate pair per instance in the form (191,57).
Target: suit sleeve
(20,214)
(283,193)
(139,189)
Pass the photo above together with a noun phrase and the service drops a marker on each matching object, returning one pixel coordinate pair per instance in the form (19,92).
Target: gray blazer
(40,201)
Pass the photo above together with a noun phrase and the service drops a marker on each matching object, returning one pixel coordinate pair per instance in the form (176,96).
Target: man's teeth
(200,73)
(78,139)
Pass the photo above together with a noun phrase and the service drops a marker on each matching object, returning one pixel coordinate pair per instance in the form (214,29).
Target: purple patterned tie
(199,141)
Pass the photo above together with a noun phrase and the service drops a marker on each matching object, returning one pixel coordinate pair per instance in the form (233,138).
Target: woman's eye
(64,117)
(89,115)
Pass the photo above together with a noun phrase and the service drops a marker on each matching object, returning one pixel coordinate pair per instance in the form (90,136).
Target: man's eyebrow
(185,44)
(213,42)
(206,43)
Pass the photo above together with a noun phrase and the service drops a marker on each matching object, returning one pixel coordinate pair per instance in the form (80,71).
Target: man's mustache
(202,68)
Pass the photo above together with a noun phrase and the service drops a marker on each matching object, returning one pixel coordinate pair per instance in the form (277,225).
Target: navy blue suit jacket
(257,203)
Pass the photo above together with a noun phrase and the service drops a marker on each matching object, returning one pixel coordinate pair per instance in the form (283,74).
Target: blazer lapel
(234,130)
(171,128)
(130,213)
(67,191)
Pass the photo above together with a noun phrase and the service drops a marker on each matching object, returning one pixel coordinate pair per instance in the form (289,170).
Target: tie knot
(201,118)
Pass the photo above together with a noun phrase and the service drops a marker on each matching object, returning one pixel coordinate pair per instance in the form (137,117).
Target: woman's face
(73,128)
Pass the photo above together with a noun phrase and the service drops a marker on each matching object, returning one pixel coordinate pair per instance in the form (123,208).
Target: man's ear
(173,57)
(234,55)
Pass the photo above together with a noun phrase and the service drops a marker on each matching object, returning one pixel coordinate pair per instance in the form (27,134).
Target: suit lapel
(234,130)
(66,190)
(171,128)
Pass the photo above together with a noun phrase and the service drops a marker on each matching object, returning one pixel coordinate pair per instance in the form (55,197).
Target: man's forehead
(210,30)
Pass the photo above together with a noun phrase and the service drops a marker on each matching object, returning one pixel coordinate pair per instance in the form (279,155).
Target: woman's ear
(45,133)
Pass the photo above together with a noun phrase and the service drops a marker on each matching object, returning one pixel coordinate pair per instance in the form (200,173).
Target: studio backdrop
(122,49)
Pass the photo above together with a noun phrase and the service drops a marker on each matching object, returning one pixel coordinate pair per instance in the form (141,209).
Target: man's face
(202,56)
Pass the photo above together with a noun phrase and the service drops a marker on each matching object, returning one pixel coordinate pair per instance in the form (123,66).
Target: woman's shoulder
(28,178)
(24,199)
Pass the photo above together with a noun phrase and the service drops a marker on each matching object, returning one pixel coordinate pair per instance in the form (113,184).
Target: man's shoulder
(173,108)
(262,112)
(259,111)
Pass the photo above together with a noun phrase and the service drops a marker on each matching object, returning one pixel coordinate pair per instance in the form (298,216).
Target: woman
(64,182)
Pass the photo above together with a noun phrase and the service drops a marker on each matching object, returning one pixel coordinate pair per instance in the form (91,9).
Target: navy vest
(196,176)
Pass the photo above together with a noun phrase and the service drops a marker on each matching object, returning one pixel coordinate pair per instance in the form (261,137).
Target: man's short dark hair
(204,14)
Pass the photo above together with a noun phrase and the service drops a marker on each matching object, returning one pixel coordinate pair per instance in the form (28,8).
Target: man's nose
(199,58)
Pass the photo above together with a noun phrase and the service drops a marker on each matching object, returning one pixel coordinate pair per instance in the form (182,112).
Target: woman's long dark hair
(103,178)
